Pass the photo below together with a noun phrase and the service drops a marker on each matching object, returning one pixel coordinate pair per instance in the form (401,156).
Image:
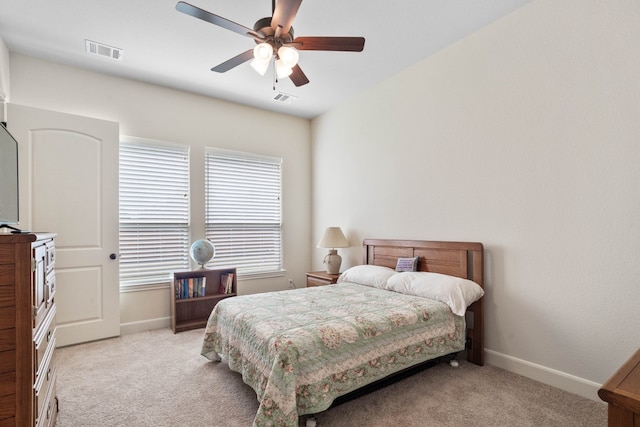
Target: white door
(68,182)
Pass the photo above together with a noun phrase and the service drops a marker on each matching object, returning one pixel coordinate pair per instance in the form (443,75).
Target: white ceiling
(166,47)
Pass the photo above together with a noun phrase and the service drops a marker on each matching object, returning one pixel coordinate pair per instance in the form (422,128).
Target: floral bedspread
(299,349)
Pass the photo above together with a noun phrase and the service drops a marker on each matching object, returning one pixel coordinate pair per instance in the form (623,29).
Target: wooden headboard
(460,259)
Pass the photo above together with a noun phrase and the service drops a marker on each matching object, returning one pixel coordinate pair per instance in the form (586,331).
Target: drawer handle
(49,335)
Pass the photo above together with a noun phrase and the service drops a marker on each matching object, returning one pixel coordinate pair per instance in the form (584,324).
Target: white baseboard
(145,325)
(562,380)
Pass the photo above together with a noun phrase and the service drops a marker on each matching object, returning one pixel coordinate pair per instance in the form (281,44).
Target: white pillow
(368,275)
(456,292)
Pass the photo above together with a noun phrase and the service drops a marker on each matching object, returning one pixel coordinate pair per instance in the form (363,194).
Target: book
(223,284)
(229,285)
(203,286)
(196,287)
(178,288)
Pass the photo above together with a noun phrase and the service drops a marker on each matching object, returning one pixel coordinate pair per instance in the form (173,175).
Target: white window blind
(154,212)
(243,211)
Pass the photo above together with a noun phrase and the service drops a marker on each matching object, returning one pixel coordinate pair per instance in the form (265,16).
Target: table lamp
(333,238)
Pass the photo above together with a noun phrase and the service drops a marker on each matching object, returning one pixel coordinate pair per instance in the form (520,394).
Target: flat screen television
(9,209)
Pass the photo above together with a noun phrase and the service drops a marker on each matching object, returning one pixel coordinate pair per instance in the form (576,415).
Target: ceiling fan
(275,40)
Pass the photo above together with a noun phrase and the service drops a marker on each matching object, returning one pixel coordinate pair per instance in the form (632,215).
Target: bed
(301,349)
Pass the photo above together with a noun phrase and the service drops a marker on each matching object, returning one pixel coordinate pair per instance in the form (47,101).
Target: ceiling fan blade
(298,77)
(344,44)
(196,12)
(233,62)
(284,14)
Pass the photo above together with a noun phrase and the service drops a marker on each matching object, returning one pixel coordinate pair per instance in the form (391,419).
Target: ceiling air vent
(100,49)
(283,97)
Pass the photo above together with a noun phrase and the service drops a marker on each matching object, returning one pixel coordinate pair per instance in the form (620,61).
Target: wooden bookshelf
(193,312)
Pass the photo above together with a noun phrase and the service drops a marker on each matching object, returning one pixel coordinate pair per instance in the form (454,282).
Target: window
(154,211)
(243,211)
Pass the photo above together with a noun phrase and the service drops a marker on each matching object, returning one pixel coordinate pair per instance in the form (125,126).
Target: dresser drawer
(44,341)
(312,281)
(39,276)
(50,284)
(43,384)
(47,407)
(320,278)
(51,255)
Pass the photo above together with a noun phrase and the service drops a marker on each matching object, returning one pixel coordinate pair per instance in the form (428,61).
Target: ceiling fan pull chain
(275,75)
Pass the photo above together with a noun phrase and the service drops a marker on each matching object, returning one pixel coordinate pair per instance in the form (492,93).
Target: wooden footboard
(460,259)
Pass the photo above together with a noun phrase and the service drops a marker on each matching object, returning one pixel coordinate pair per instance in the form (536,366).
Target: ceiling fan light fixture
(263,52)
(270,33)
(288,55)
(259,65)
(282,69)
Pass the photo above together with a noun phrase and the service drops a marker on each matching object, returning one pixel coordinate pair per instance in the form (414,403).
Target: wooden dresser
(27,330)
(622,393)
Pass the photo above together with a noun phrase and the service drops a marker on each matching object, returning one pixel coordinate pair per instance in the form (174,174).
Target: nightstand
(321,278)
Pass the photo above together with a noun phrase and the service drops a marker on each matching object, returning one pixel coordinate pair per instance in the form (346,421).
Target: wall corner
(4,76)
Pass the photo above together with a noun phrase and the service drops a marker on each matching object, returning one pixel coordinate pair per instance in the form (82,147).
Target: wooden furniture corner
(622,393)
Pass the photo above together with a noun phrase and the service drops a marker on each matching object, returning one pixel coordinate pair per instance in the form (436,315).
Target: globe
(202,251)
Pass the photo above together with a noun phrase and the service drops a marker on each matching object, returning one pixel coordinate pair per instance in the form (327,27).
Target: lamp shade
(289,56)
(282,70)
(259,65)
(333,238)
(263,52)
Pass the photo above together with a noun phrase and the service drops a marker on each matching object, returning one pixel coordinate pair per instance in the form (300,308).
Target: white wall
(524,136)
(150,111)
(4,78)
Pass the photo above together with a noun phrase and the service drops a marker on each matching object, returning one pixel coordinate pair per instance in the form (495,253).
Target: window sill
(165,285)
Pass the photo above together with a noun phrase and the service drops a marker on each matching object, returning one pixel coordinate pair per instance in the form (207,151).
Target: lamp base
(333,261)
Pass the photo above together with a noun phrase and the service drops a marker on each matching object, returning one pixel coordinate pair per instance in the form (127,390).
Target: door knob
(113,256)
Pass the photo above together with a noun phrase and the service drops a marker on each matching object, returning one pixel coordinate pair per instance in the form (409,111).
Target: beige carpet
(158,378)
